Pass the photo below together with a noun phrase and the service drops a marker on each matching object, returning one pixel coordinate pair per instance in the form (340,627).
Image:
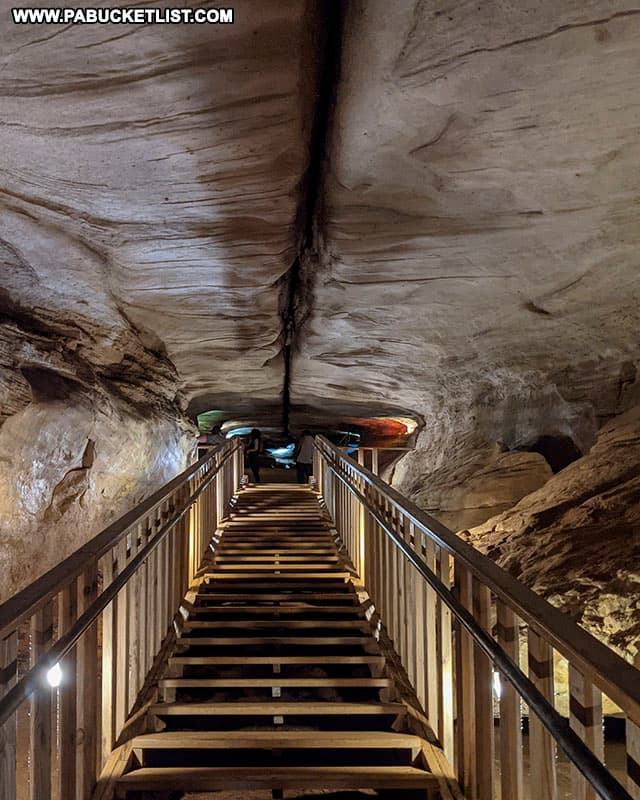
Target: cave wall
(478,239)
(576,541)
(150,178)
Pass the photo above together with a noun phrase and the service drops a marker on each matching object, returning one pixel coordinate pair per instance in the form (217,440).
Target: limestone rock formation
(576,541)
(479,232)
(150,177)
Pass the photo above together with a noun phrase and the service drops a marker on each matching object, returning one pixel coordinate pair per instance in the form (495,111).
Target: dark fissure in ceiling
(297,283)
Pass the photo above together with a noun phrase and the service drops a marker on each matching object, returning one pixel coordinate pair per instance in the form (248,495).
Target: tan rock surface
(149,180)
(480,218)
(576,540)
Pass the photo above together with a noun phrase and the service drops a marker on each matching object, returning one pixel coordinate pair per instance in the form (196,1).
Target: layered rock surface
(150,177)
(576,541)
(479,231)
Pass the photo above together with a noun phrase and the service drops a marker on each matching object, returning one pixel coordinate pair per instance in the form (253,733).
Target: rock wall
(90,423)
(576,541)
(150,178)
(69,469)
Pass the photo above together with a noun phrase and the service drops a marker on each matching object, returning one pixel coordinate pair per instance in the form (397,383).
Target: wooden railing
(462,626)
(372,455)
(96,624)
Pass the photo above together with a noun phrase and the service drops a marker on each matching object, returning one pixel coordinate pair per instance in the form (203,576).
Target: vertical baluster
(409,611)
(219,496)
(542,747)
(485,740)
(87,702)
(41,718)
(633,758)
(585,717)
(511,772)
(151,598)
(67,615)
(133,599)
(465,691)
(374,460)
(109,646)
(161,587)
(445,675)
(401,599)
(121,671)
(421,634)
(166,605)
(431,653)
(143,608)
(367,536)
(8,675)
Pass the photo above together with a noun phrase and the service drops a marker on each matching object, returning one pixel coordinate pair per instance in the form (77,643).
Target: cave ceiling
(457,209)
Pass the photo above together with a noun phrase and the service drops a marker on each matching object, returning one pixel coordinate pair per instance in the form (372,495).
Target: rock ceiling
(462,228)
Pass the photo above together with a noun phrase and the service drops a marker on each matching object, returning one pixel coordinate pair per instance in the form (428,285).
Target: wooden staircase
(276,681)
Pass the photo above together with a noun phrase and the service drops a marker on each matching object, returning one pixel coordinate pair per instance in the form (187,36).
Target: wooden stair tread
(247,778)
(279,596)
(244,574)
(292,608)
(275,708)
(275,659)
(316,641)
(277,739)
(275,680)
(311,624)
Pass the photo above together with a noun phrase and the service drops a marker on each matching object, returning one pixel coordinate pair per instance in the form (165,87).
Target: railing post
(121,665)
(431,657)
(41,717)
(511,770)
(542,747)
(87,648)
(67,615)
(445,674)
(465,691)
(633,758)
(585,716)
(485,743)
(8,675)
(374,460)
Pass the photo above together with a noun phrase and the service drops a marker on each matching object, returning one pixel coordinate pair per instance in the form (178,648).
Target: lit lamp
(54,676)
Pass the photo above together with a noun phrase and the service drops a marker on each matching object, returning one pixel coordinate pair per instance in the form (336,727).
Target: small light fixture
(54,676)
(497,686)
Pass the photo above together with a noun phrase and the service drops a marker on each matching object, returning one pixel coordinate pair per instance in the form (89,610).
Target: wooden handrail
(435,596)
(569,742)
(103,617)
(34,678)
(616,677)
(25,603)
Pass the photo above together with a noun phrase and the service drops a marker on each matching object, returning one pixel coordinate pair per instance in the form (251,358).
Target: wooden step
(326,570)
(307,641)
(222,557)
(279,610)
(260,624)
(297,575)
(186,660)
(274,681)
(279,708)
(279,740)
(194,779)
(317,597)
(302,551)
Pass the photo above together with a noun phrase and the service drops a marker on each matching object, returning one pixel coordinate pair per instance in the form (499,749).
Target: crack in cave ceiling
(374,214)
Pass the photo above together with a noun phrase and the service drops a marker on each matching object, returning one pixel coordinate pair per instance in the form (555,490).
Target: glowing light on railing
(497,686)
(54,676)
